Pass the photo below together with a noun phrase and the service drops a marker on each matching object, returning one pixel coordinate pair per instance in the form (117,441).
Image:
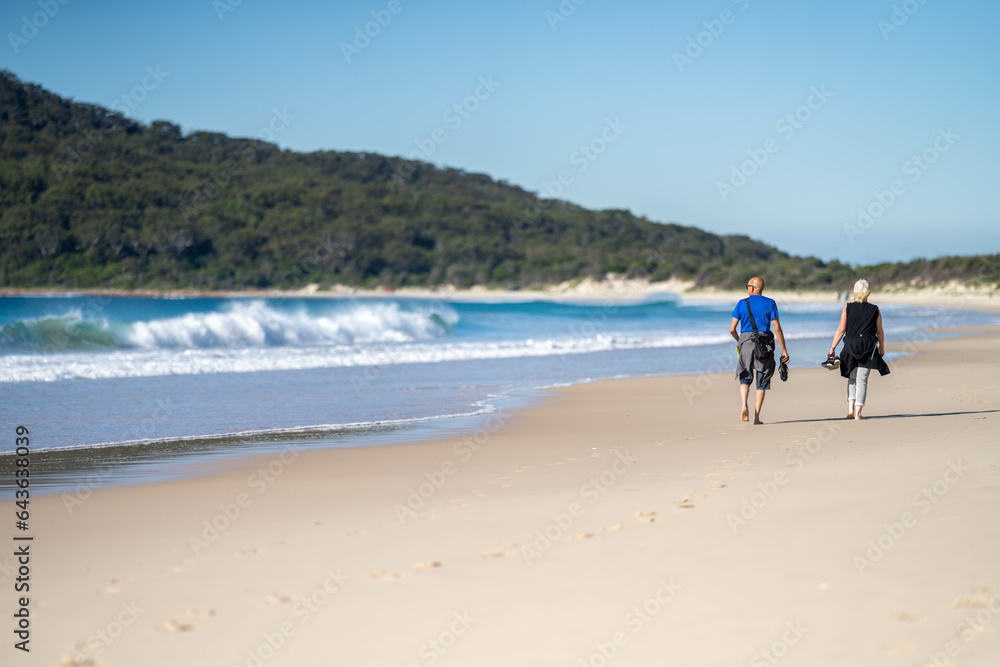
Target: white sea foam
(148,363)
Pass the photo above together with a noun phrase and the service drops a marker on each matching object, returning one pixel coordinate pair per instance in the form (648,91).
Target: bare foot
(858,417)
(757,421)
(850,415)
(745,415)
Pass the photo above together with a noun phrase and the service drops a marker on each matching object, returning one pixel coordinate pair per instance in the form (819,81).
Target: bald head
(755,285)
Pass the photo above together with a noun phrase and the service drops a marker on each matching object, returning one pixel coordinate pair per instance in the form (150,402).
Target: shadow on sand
(900,416)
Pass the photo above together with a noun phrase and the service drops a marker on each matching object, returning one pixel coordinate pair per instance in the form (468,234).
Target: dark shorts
(746,378)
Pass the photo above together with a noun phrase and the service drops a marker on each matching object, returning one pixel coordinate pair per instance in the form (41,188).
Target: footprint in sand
(200,613)
(613,527)
(494,554)
(582,536)
(645,517)
(972,602)
(170,625)
(910,617)
(276,598)
(718,485)
(427,565)
(383,574)
(90,644)
(898,647)
(353,533)
(79,661)
(685,503)
(247,552)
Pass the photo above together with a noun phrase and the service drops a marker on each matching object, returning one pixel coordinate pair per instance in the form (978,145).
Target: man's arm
(732,329)
(780,335)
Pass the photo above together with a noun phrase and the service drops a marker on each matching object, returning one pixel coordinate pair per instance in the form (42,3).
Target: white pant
(857,385)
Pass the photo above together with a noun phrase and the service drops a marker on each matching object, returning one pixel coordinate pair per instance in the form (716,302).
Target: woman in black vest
(864,345)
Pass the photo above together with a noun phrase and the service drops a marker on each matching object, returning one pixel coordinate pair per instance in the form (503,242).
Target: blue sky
(703,141)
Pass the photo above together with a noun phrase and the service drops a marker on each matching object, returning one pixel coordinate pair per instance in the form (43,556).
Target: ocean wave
(239,325)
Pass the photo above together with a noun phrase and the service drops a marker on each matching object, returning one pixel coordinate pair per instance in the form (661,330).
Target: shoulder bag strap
(753,322)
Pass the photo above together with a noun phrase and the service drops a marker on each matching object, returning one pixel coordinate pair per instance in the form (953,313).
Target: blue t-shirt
(764,310)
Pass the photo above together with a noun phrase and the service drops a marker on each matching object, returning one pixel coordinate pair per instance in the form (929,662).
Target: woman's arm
(880,334)
(841,329)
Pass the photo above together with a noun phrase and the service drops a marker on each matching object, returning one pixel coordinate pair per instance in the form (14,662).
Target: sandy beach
(630,522)
(611,289)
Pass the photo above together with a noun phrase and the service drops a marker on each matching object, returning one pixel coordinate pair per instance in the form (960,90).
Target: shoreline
(161,458)
(554,522)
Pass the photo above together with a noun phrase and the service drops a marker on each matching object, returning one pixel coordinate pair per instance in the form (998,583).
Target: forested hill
(90,198)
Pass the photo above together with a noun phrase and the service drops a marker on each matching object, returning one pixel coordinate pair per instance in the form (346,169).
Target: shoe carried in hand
(783,371)
(831,363)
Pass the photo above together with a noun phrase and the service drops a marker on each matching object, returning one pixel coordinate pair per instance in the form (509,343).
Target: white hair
(861,290)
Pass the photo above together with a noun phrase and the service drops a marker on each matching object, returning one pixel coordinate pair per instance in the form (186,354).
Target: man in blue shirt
(765,315)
